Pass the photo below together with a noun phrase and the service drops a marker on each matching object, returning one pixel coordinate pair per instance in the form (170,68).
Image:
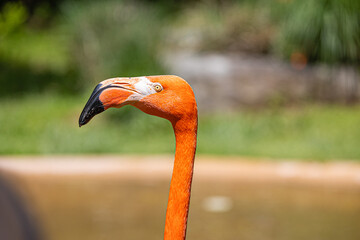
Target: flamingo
(169,97)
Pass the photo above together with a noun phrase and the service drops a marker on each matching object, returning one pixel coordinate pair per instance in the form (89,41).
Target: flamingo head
(168,96)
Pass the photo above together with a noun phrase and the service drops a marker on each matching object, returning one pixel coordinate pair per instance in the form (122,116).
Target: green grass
(311,132)
(47,124)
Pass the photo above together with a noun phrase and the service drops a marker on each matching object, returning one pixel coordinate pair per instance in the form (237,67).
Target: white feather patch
(144,86)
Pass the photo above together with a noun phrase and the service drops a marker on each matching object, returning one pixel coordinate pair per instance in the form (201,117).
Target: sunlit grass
(49,125)
(313,132)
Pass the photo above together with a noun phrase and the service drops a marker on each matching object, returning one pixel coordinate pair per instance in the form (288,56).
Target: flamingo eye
(158,87)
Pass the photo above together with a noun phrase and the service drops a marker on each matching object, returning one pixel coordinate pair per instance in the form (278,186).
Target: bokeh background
(275,80)
(272,78)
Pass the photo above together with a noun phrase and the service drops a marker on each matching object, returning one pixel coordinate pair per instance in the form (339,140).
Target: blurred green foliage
(114,38)
(12,17)
(85,43)
(32,60)
(48,52)
(323,30)
(68,46)
(239,27)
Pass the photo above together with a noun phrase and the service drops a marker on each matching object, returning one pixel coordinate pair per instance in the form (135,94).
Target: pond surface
(94,207)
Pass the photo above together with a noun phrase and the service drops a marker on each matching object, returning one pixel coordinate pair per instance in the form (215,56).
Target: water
(106,207)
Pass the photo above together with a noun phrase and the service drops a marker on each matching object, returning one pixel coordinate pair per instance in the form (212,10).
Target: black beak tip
(81,123)
(93,107)
(90,111)
(83,119)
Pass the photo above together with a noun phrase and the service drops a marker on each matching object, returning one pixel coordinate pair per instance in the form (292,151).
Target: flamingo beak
(109,93)
(93,106)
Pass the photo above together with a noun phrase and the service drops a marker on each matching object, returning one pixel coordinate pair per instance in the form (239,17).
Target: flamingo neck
(180,187)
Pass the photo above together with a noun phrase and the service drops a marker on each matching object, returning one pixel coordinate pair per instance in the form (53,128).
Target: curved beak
(113,92)
(93,106)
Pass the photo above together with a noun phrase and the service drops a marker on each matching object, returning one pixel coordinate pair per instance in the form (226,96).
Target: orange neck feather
(180,187)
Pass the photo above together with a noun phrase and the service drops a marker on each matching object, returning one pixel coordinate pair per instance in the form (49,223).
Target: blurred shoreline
(208,168)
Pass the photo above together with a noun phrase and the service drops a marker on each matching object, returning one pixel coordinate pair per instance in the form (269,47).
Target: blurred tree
(13,16)
(322,30)
(33,5)
(114,38)
(31,60)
